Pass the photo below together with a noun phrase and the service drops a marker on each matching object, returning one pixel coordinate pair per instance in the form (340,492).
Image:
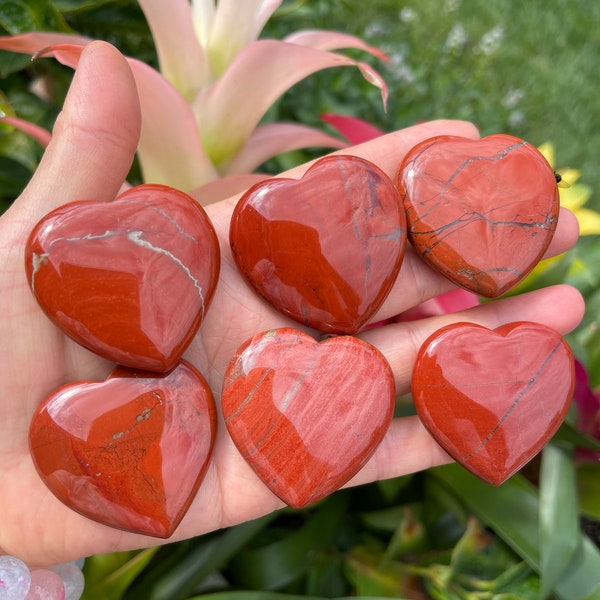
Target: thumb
(94,138)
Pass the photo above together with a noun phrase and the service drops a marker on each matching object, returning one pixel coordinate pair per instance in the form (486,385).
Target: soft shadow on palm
(89,158)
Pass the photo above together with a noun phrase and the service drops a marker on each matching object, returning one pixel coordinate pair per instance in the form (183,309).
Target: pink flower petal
(29,43)
(203,15)
(457,300)
(39,134)
(226,187)
(182,59)
(236,24)
(169,150)
(66,54)
(232,107)
(271,139)
(356,131)
(450,302)
(332,40)
(587,403)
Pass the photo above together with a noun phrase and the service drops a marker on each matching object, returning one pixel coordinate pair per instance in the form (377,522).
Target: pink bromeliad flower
(587,403)
(201,111)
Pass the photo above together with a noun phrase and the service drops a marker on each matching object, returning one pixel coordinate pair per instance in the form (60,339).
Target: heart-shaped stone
(128,452)
(493,398)
(325,249)
(130,279)
(306,416)
(481,212)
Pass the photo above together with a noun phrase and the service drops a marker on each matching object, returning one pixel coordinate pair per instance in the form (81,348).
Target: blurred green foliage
(526,68)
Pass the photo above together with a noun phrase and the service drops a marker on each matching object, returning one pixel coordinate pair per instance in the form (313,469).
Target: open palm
(90,154)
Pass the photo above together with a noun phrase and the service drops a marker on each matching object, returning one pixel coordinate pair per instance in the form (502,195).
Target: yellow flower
(572,196)
(575,195)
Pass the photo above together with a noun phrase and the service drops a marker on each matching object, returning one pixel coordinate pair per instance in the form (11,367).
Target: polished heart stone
(325,249)
(493,398)
(130,279)
(306,416)
(128,452)
(481,212)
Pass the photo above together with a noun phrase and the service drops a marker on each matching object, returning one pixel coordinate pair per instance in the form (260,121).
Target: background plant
(528,69)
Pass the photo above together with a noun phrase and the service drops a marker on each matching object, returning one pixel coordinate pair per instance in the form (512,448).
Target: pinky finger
(408,447)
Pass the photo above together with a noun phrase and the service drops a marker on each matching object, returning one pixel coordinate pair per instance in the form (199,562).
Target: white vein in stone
(136,238)
(37,260)
(173,222)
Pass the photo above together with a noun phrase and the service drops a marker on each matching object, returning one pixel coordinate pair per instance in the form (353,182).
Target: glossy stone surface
(306,416)
(481,212)
(131,279)
(492,399)
(15,578)
(325,249)
(129,452)
(72,578)
(45,585)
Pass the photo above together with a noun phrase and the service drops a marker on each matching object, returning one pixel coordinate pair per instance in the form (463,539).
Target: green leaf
(19,16)
(479,556)
(583,273)
(121,23)
(10,62)
(512,511)
(326,576)
(588,334)
(178,574)
(276,596)
(560,535)
(390,488)
(588,483)
(546,274)
(576,438)
(367,575)
(109,575)
(272,566)
(73,6)
(519,580)
(409,536)
(581,578)
(385,519)
(13,178)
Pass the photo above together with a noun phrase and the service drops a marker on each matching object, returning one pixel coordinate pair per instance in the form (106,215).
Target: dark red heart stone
(128,452)
(493,398)
(481,212)
(307,416)
(131,279)
(325,249)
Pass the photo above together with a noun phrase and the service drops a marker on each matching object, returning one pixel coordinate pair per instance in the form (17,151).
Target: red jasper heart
(325,249)
(130,279)
(128,452)
(306,416)
(481,212)
(492,399)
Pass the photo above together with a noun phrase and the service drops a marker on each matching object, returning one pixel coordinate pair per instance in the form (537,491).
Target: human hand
(90,154)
